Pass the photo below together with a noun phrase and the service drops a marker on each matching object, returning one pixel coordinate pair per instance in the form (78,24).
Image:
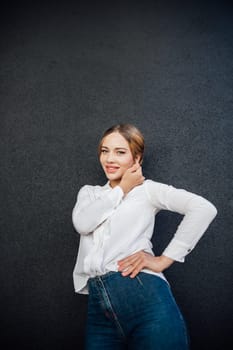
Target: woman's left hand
(134,263)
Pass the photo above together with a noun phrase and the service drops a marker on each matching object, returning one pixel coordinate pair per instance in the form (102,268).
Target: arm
(89,211)
(198,214)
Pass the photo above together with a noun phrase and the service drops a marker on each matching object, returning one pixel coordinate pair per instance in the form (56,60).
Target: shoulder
(156,191)
(163,190)
(155,185)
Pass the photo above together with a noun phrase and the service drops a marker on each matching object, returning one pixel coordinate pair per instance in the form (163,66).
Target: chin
(113,177)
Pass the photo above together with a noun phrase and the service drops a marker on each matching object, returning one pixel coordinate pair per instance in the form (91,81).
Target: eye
(103,151)
(120,152)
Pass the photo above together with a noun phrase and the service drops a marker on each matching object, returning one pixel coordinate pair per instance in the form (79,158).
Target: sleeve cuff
(177,250)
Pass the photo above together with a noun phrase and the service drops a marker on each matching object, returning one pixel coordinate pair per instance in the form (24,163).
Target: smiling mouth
(111,169)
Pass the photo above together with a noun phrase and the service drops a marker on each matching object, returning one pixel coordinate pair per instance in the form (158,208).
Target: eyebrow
(117,148)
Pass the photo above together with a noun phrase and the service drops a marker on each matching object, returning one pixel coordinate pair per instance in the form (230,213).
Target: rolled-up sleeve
(198,214)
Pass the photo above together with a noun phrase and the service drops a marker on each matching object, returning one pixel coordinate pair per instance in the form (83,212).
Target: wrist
(160,263)
(123,187)
(165,261)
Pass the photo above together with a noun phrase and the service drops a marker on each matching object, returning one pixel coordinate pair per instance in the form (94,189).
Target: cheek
(101,160)
(128,162)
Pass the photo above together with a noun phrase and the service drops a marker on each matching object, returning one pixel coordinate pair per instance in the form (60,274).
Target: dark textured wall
(70,70)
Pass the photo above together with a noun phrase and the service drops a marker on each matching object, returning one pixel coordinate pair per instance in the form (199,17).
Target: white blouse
(113,226)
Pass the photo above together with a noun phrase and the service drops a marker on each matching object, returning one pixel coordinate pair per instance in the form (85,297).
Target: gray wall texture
(68,71)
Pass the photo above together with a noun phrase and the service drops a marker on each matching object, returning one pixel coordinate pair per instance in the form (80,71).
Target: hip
(131,293)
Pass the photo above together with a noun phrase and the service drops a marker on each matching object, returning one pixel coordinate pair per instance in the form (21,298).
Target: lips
(111,169)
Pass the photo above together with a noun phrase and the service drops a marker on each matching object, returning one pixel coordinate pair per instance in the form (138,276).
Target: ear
(138,159)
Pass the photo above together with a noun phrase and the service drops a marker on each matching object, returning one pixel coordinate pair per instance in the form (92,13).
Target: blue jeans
(133,313)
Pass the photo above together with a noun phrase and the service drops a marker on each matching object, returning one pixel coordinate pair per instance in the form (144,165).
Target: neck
(114,183)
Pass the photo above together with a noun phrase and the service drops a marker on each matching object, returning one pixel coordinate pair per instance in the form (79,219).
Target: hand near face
(131,178)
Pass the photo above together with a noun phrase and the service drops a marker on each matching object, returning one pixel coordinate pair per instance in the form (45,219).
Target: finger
(136,271)
(133,270)
(127,271)
(134,168)
(125,265)
(136,266)
(129,259)
(136,165)
(133,264)
(138,170)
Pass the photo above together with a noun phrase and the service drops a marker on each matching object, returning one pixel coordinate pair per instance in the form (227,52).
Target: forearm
(197,211)
(88,216)
(191,229)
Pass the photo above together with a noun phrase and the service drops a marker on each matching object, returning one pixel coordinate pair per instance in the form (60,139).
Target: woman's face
(115,157)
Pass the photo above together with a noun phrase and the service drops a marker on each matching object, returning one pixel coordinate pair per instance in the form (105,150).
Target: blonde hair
(132,135)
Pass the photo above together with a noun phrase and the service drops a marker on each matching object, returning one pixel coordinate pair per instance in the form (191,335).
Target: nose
(110,157)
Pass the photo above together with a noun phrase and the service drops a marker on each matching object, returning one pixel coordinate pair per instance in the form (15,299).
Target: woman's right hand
(132,177)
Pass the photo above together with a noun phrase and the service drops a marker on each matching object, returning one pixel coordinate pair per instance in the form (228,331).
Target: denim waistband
(103,277)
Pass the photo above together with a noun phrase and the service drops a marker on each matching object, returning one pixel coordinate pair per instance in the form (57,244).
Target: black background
(68,71)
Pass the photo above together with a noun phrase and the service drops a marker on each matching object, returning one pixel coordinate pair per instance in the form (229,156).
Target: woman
(130,302)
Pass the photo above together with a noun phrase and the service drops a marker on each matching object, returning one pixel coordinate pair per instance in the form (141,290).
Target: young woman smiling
(130,303)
